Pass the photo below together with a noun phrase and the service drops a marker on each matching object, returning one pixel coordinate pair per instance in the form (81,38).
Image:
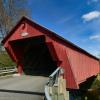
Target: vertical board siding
(83,66)
(78,64)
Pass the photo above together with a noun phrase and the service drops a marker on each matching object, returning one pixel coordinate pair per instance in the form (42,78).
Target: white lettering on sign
(24,34)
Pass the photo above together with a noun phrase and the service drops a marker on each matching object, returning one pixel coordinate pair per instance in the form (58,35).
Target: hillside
(5,60)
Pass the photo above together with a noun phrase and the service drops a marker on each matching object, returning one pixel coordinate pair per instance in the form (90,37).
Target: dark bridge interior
(34,56)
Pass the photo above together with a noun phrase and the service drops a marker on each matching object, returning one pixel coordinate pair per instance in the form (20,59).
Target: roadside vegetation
(5,60)
(94,92)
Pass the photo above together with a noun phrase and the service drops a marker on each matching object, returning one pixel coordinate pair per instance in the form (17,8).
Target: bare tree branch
(10,12)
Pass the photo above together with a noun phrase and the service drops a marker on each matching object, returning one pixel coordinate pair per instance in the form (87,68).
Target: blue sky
(76,20)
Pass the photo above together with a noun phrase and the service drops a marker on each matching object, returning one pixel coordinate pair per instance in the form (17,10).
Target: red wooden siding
(77,63)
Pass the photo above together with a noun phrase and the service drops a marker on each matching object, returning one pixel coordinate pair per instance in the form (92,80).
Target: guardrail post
(57,86)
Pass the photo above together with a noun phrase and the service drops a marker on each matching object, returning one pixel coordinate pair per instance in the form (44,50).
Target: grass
(5,60)
(95,94)
(94,91)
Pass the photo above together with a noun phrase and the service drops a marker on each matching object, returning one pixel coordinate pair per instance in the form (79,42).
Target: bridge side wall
(78,64)
(82,65)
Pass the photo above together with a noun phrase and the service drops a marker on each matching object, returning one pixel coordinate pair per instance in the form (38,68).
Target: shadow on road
(22,92)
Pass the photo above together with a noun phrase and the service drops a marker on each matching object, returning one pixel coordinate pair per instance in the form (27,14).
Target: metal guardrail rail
(47,95)
(7,70)
(53,79)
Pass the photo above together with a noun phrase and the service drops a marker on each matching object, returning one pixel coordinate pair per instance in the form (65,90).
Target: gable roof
(53,33)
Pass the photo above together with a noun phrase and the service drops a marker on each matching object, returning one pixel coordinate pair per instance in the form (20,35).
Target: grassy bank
(94,92)
(5,60)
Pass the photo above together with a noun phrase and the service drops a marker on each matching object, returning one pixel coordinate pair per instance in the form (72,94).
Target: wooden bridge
(39,51)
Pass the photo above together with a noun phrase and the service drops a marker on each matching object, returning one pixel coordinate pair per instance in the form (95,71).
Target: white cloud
(91,15)
(95,0)
(64,19)
(92,1)
(95,37)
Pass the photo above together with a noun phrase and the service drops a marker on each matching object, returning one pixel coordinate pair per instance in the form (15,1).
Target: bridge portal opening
(34,56)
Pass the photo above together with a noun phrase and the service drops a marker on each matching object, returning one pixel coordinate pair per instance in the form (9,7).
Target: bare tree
(10,12)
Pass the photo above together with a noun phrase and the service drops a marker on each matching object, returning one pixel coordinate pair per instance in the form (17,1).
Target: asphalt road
(22,88)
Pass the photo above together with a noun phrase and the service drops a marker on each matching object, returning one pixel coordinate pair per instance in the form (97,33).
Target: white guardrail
(53,79)
(7,70)
(55,89)
(47,95)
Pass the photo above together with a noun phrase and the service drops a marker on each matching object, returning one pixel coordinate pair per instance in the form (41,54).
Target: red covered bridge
(37,50)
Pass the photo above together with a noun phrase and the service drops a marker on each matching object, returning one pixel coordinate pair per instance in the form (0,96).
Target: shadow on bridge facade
(34,56)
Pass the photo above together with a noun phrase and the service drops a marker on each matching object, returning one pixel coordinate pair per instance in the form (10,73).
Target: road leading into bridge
(22,88)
